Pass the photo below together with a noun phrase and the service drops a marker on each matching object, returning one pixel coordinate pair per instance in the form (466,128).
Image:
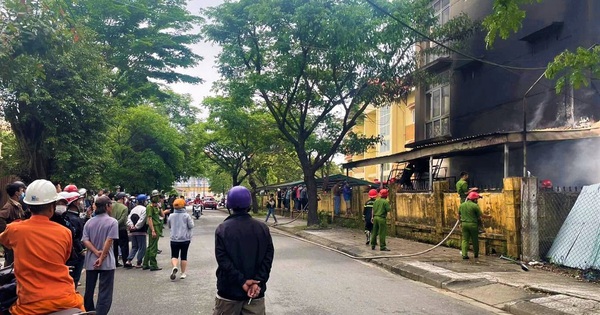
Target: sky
(206,68)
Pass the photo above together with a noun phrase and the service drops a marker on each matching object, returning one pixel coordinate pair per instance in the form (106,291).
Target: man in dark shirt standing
(244,252)
(10,212)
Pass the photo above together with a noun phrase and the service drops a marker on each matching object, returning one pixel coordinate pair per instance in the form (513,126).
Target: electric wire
(429,38)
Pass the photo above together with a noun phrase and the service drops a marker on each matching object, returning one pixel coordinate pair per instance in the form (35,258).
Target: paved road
(305,279)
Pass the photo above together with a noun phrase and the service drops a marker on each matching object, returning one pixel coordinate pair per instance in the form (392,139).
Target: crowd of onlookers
(92,233)
(50,235)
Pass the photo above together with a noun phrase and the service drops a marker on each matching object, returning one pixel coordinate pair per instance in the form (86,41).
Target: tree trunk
(311,185)
(254,193)
(30,141)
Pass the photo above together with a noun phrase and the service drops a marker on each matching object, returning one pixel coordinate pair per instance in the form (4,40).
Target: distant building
(395,124)
(193,186)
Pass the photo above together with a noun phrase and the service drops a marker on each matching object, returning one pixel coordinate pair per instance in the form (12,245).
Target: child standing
(181,224)
(367,213)
(271,208)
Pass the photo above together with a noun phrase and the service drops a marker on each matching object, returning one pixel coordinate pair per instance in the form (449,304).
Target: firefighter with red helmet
(470,216)
(368,213)
(381,207)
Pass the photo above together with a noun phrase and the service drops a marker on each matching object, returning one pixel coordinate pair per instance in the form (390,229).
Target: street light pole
(525,123)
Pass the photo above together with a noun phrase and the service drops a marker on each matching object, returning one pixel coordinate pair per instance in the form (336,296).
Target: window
(384,129)
(441,10)
(437,112)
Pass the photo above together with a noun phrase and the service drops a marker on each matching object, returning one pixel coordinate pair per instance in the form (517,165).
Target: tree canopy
(72,71)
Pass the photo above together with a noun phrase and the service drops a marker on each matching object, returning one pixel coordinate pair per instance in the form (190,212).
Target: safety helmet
(372,193)
(154,193)
(239,197)
(71,188)
(82,191)
(69,196)
(178,203)
(473,196)
(383,193)
(41,192)
(120,195)
(141,198)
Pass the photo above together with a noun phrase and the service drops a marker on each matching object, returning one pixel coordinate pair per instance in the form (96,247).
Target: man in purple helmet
(244,252)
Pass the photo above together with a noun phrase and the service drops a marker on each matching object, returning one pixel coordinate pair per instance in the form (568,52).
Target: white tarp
(577,244)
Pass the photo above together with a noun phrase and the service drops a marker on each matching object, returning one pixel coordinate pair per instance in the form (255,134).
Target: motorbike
(197,210)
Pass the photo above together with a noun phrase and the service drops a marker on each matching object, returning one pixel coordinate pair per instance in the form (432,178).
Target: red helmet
(383,193)
(71,188)
(372,193)
(473,196)
(546,183)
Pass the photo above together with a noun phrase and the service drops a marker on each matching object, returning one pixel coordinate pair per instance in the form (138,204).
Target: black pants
(105,290)
(180,247)
(123,242)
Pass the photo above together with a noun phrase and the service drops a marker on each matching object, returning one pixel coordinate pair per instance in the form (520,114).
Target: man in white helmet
(43,281)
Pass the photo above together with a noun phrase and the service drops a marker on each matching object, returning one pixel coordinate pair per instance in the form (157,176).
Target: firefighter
(368,213)
(381,207)
(470,216)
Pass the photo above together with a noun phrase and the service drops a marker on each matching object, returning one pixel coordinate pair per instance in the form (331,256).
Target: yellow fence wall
(429,217)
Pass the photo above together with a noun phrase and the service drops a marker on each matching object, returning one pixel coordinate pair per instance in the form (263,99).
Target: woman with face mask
(67,215)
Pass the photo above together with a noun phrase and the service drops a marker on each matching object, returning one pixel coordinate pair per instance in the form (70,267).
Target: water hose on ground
(369,257)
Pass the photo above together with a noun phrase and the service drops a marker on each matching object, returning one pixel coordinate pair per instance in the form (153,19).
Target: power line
(445,46)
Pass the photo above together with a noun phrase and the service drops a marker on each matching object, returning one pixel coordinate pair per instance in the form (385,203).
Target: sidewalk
(489,280)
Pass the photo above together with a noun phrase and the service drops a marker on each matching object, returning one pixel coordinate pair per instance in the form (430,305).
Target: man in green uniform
(155,225)
(119,212)
(470,215)
(381,207)
(462,188)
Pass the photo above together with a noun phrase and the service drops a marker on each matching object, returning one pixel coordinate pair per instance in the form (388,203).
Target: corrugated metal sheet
(577,244)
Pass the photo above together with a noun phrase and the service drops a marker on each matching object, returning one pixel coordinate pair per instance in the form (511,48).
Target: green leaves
(145,151)
(506,18)
(575,68)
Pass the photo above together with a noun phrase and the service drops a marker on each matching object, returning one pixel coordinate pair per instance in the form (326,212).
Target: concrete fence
(524,219)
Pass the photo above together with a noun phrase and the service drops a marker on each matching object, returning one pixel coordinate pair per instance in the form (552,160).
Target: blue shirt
(97,230)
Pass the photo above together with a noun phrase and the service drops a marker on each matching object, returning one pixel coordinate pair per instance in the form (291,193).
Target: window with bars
(437,116)
(384,129)
(441,10)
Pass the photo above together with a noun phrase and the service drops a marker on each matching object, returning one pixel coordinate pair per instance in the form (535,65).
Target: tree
(570,68)
(145,151)
(51,88)
(145,42)
(230,139)
(316,65)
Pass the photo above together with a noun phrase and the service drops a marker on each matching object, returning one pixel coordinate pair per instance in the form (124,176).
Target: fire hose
(369,257)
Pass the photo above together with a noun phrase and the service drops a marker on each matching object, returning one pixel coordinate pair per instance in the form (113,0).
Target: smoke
(539,111)
(567,163)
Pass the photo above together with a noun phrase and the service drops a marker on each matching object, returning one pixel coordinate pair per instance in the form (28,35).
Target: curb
(529,308)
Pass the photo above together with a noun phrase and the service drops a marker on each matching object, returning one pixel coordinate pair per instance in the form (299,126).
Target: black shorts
(177,247)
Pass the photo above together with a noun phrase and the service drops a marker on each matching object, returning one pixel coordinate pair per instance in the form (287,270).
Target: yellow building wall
(401,132)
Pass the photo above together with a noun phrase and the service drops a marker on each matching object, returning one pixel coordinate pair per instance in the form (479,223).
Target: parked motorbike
(197,211)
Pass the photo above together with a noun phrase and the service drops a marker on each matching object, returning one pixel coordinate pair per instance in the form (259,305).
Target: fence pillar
(512,201)
(530,232)
(439,188)
(393,205)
